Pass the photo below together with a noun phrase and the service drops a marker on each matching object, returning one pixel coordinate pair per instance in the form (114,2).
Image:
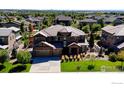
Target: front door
(65,51)
(73,51)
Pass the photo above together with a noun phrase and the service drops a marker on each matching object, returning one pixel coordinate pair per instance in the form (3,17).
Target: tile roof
(115,30)
(53,30)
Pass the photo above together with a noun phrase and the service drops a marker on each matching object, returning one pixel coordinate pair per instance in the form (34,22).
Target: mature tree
(22,27)
(91,40)
(86,28)
(26,43)
(101,22)
(45,22)
(23,56)
(3,55)
(96,27)
(120,57)
(31,28)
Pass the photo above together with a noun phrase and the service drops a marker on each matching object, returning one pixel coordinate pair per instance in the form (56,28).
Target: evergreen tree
(22,27)
(91,40)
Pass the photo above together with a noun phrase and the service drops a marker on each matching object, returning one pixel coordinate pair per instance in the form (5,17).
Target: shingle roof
(115,30)
(110,19)
(5,31)
(53,30)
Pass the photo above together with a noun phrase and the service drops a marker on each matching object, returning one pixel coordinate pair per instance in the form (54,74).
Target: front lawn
(83,66)
(9,66)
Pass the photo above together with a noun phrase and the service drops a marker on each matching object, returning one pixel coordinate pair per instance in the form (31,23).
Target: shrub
(75,57)
(71,58)
(3,56)
(78,68)
(66,58)
(2,67)
(62,58)
(120,68)
(90,67)
(24,56)
(120,56)
(18,68)
(113,57)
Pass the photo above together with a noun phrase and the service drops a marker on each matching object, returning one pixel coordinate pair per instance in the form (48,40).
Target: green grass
(9,66)
(98,65)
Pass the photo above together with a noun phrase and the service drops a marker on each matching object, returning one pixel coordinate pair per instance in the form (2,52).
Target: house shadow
(36,60)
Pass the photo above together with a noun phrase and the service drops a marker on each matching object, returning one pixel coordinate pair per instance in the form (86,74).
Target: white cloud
(63,4)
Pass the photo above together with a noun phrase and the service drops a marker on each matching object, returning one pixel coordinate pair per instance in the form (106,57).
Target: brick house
(57,40)
(113,37)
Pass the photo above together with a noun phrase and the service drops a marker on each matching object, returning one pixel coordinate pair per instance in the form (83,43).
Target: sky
(63,4)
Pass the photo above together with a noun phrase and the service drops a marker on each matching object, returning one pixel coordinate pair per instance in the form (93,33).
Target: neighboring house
(120,17)
(10,24)
(109,20)
(113,37)
(58,40)
(37,21)
(118,21)
(114,20)
(16,31)
(87,21)
(63,20)
(7,39)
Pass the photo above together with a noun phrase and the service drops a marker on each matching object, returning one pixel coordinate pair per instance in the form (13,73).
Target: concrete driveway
(45,64)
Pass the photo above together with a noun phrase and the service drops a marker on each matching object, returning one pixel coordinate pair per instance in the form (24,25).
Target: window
(64,43)
(2,40)
(56,38)
(64,38)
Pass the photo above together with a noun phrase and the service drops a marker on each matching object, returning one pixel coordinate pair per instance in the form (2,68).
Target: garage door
(44,53)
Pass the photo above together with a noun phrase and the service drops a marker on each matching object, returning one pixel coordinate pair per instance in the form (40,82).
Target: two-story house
(18,36)
(113,37)
(7,39)
(37,21)
(63,20)
(58,39)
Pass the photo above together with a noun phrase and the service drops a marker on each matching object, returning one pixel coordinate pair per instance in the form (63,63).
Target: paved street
(45,64)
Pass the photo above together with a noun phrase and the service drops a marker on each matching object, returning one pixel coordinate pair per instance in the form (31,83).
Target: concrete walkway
(46,64)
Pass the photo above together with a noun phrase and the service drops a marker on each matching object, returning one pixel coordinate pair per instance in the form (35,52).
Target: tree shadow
(36,60)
